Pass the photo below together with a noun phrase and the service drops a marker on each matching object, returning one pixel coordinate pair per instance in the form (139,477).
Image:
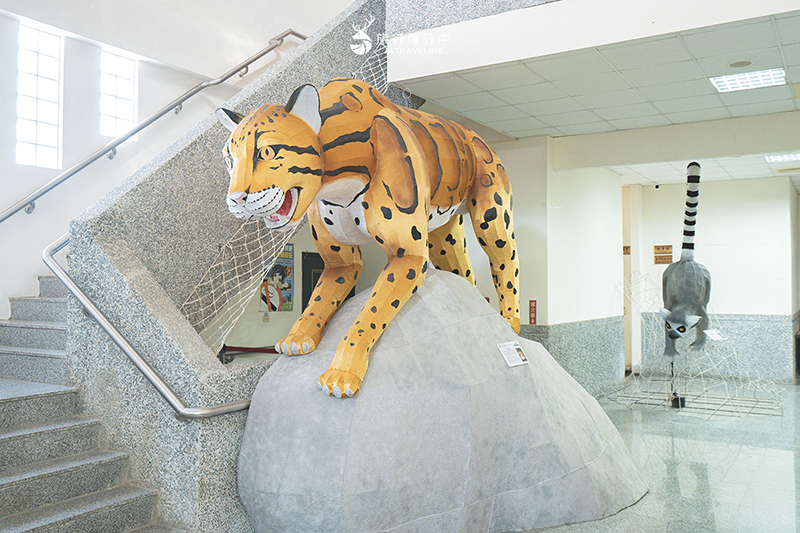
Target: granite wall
(404,17)
(755,347)
(138,253)
(591,351)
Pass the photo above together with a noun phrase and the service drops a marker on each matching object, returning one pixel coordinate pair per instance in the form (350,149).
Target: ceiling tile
(761,60)
(791,53)
(626,111)
(495,114)
(789,27)
(441,87)
(565,119)
(529,93)
(698,116)
(502,76)
(592,84)
(661,74)
(764,94)
(681,89)
(763,108)
(639,54)
(551,107)
(583,129)
(570,65)
(553,132)
(640,122)
(692,103)
(468,102)
(610,99)
(730,38)
(518,124)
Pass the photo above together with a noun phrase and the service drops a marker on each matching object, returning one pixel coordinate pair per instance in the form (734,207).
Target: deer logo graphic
(363,42)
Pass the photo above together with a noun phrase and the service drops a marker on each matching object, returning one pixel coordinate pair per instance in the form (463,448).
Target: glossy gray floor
(717,474)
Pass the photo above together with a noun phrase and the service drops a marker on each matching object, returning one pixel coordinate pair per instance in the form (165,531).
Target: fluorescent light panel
(749,80)
(782,158)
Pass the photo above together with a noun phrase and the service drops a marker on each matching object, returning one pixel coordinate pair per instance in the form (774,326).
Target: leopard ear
(229,119)
(304,103)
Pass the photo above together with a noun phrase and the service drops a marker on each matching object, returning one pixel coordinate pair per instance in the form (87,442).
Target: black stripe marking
(353,137)
(396,131)
(306,170)
(693,179)
(436,152)
(355,169)
(692,194)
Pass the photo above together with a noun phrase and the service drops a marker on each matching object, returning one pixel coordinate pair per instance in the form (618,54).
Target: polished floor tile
(709,474)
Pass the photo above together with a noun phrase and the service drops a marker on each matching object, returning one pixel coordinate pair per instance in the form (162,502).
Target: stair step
(29,444)
(51,286)
(25,402)
(44,309)
(114,510)
(44,366)
(33,334)
(27,487)
(157,529)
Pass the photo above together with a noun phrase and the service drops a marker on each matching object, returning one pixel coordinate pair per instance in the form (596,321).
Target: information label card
(512,353)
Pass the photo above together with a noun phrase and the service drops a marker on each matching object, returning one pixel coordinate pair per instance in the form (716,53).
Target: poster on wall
(277,289)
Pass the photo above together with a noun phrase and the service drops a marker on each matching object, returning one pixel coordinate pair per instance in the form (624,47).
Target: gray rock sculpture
(444,436)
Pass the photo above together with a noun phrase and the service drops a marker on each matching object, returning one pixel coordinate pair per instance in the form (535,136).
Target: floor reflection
(723,474)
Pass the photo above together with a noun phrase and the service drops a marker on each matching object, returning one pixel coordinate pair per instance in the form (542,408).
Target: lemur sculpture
(686,285)
(365,169)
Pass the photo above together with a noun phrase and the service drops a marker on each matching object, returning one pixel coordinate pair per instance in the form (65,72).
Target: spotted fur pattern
(364,169)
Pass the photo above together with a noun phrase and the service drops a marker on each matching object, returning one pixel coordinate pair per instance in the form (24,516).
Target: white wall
(584,243)
(201,36)
(744,238)
(23,237)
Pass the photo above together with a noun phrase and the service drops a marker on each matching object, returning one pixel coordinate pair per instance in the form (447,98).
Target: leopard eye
(681,329)
(668,326)
(266,153)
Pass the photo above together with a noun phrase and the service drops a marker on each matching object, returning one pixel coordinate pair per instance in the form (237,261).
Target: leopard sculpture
(365,169)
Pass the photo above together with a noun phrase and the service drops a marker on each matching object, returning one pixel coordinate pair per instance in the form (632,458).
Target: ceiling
(643,83)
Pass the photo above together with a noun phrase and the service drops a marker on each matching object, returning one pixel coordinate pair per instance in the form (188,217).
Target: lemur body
(686,285)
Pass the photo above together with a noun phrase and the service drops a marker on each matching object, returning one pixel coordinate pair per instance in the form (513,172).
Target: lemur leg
(448,249)
(490,205)
(343,265)
(700,340)
(396,214)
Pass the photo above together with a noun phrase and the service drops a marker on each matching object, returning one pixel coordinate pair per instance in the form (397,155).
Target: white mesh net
(714,381)
(219,300)
(373,69)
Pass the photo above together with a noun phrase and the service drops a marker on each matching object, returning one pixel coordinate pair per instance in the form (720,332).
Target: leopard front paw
(296,344)
(340,383)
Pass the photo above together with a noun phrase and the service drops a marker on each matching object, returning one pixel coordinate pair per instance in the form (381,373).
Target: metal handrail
(181,411)
(27,203)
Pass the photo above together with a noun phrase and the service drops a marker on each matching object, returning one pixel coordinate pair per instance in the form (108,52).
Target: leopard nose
(238,197)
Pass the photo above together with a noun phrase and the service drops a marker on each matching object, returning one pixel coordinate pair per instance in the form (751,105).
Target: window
(117,94)
(38,98)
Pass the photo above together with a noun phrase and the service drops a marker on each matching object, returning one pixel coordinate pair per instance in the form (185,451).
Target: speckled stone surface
(756,347)
(404,17)
(592,351)
(443,436)
(138,253)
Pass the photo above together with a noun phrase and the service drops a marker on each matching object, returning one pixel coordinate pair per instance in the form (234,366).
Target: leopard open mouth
(283,215)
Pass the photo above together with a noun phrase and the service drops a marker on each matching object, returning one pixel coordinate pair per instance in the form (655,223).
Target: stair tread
(38,352)
(82,505)
(56,299)
(11,389)
(41,427)
(18,474)
(156,528)
(33,324)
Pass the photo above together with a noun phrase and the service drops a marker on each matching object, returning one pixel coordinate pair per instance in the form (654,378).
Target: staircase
(54,475)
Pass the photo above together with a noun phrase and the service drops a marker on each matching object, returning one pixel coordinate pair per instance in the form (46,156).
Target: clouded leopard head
(274,159)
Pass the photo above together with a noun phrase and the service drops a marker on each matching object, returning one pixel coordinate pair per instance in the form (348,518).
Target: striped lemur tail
(690,216)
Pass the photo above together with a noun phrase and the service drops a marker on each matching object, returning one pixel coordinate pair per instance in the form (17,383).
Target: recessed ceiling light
(740,64)
(782,158)
(749,80)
